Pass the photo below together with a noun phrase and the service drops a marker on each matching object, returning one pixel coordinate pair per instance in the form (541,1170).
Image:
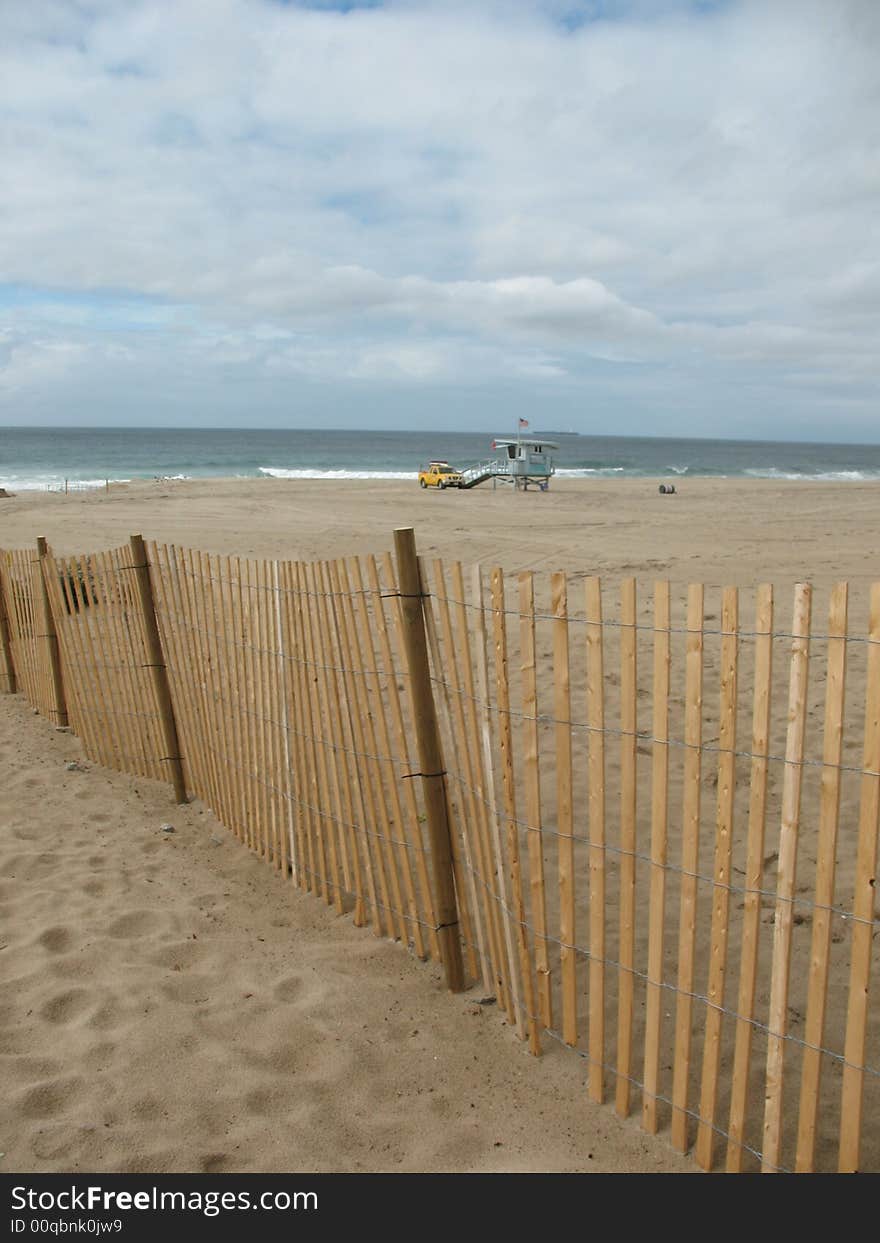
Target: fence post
(9,683)
(46,622)
(158,671)
(409,585)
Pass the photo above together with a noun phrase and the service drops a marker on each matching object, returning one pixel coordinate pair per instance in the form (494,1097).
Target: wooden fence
(646,823)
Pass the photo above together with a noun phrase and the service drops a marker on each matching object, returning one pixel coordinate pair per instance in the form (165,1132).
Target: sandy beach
(172,1005)
(712,530)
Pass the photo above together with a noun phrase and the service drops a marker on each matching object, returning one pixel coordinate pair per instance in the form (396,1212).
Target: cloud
(426,194)
(26,365)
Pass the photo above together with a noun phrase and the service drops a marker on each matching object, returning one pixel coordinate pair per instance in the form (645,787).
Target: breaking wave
(829,476)
(314,472)
(582,472)
(52,483)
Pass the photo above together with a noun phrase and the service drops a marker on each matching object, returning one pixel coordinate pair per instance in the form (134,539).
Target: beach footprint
(50,1098)
(289,989)
(107,1016)
(135,925)
(215,1163)
(68,1006)
(57,940)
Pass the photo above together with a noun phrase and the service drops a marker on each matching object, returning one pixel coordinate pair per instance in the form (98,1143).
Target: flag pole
(517,476)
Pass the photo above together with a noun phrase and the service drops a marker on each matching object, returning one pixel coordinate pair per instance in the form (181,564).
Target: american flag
(523,422)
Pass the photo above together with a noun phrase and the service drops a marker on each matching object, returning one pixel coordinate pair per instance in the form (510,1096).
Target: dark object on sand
(667,489)
(4,495)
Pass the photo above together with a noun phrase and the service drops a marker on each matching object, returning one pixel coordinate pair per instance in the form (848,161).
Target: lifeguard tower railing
(481,471)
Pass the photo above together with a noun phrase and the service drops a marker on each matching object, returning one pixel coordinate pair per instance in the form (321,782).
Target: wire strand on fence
(650,629)
(647,736)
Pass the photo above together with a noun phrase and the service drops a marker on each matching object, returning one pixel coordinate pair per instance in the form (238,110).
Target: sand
(715,531)
(175,1006)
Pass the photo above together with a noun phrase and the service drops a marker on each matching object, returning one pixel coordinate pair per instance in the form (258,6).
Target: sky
(646,217)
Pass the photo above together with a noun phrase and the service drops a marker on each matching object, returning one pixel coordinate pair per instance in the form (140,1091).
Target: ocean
(43,458)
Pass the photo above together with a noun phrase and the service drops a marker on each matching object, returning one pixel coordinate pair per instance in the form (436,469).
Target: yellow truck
(439,475)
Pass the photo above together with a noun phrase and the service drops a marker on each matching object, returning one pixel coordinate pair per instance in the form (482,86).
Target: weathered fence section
(31,653)
(8,680)
(102,635)
(644,820)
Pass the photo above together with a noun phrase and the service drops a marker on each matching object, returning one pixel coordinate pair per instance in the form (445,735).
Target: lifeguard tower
(523,463)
